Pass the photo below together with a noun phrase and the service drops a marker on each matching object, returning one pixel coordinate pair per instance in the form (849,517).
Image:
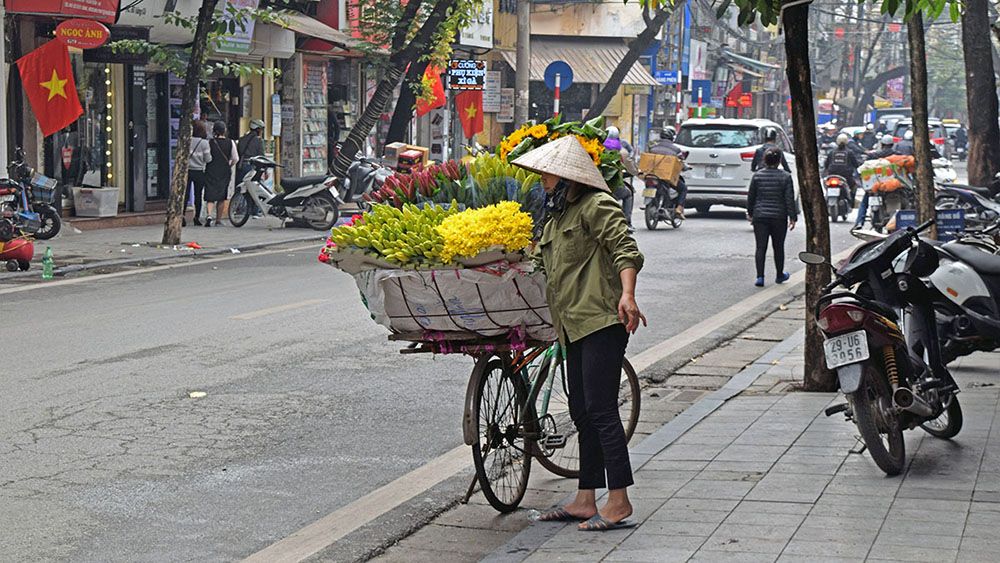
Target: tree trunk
(398,60)
(921,131)
(981,94)
(635,48)
(868,89)
(404,112)
(179,180)
(796,24)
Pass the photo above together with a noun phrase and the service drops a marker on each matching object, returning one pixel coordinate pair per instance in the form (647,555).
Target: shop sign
(506,113)
(240,40)
(104,53)
(491,94)
(101,10)
(479,31)
(82,34)
(466,74)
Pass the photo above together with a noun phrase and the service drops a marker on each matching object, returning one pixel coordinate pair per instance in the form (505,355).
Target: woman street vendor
(590,261)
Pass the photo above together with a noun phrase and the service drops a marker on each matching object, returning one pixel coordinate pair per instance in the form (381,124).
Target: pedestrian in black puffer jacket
(771,209)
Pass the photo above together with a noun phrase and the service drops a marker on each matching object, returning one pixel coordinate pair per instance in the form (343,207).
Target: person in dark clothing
(770,141)
(885,148)
(854,144)
(666,146)
(219,172)
(771,208)
(868,138)
(842,161)
(961,137)
(905,146)
(249,146)
(829,136)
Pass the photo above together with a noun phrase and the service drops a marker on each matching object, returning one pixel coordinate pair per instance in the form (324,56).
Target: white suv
(720,153)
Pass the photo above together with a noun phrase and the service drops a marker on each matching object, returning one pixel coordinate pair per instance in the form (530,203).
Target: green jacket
(582,252)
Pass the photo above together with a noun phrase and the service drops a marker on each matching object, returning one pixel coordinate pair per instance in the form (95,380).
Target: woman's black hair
(219,128)
(772,157)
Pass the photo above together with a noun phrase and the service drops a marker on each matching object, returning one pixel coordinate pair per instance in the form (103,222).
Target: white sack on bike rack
(488,301)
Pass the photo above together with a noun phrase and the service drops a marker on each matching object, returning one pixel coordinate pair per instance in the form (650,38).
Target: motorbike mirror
(813,259)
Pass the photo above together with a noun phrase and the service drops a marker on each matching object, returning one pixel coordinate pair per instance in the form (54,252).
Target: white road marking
(328,530)
(277,309)
(74,281)
(323,533)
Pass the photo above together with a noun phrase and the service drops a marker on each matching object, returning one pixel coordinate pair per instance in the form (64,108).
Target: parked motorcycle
(881,338)
(31,208)
(364,176)
(838,197)
(309,199)
(660,203)
(980,211)
(944,172)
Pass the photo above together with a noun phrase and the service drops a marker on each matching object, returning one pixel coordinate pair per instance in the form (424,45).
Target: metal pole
(3,91)
(522,74)
(555,103)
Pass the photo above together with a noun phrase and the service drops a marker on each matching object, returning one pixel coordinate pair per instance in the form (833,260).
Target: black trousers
(775,230)
(197,178)
(593,371)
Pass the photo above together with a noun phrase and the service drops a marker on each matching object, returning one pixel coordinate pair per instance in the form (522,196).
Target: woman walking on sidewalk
(590,262)
(219,172)
(771,209)
(201,155)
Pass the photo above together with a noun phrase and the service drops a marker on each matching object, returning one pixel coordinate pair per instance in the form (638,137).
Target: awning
(304,25)
(743,69)
(591,63)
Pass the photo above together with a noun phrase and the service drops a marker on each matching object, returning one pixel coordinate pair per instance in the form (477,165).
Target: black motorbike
(838,197)
(660,200)
(364,176)
(878,329)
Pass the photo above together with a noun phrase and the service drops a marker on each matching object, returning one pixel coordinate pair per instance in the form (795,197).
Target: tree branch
(402,28)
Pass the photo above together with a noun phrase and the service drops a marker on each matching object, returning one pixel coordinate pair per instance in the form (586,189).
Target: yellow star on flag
(56,86)
(470,112)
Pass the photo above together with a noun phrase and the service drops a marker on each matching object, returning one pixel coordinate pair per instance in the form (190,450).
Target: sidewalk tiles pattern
(771,478)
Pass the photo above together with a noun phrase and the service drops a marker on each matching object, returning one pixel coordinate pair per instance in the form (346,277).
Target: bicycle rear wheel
(499,454)
(554,417)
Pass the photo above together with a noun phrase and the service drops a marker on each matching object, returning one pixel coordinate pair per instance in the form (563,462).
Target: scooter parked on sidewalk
(881,338)
(309,199)
(31,208)
(364,176)
(838,197)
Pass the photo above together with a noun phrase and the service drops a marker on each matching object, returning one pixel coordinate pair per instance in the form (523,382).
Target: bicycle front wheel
(500,452)
(551,400)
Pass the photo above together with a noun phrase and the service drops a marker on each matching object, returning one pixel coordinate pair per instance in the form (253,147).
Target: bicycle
(517,408)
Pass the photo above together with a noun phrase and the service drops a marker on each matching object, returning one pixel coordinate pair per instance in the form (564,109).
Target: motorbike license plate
(649,192)
(4,198)
(713,171)
(845,349)
(874,201)
(833,192)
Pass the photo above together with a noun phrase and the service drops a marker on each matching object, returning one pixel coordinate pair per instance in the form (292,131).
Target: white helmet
(669,133)
(870,127)
(613,132)
(842,140)
(886,140)
(908,136)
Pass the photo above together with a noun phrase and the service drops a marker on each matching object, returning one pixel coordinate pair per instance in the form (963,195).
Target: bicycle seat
(292,184)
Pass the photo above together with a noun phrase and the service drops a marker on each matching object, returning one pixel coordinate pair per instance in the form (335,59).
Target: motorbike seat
(292,184)
(985,192)
(982,262)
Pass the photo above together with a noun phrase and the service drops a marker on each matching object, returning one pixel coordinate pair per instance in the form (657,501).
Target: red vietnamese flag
(47,77)
(469,105)
(432,77)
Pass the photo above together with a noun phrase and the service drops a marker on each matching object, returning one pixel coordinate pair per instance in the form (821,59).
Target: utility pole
(3,92)
(522,74)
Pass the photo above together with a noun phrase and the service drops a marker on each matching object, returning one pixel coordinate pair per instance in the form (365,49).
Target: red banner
(469,105)
(101,10)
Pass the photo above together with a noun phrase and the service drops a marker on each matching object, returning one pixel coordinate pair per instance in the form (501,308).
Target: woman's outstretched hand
(629,314)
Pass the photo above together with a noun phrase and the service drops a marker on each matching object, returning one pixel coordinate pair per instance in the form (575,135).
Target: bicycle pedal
(554,442)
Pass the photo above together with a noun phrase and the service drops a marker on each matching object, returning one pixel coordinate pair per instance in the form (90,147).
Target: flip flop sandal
(601,524)
(559,515)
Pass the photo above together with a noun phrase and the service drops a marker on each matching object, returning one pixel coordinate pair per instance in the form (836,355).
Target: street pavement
(105,454)
(768,477)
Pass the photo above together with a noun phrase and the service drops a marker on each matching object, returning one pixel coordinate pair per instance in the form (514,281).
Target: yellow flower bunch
(593,147)
(539,131)
(511,141)
(473,231)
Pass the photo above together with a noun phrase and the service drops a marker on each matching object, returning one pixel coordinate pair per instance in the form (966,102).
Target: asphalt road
(105,456)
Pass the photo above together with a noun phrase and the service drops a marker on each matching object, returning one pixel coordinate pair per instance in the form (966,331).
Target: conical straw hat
(565,157)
